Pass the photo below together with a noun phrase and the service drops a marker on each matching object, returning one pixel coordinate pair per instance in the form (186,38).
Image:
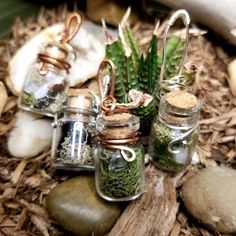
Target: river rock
(210,197)
(76,206)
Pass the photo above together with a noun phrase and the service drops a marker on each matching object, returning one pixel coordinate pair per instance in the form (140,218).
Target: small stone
(76,206)
(210,197)
(31,135)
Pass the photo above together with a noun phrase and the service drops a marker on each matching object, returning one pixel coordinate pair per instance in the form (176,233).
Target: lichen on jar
(75,131)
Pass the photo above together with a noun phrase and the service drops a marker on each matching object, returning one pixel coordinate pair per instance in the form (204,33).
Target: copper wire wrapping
(108,101)
(109,106)
(44,60)
(73,23)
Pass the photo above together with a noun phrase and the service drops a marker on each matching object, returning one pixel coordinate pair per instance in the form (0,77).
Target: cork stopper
(121,117)
(117,125)
(82,99)
(181,100)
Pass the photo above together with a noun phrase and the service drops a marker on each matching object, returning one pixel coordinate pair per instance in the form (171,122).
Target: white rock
(30,136)
(26,55)
(89,45)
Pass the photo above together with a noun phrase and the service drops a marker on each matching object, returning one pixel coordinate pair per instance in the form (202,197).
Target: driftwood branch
(218,15)
(154,213)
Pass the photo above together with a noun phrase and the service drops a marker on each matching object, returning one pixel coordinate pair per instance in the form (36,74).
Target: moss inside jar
(119,158)
(174,133)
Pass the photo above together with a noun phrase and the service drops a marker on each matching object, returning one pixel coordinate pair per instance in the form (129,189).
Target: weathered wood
(154,213)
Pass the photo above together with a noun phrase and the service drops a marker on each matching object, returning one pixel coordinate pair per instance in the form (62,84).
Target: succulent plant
(135,70)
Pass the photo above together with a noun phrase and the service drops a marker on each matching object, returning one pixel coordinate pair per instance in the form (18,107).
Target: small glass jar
(45,88)
(174,133)
(119,158)
(74,132)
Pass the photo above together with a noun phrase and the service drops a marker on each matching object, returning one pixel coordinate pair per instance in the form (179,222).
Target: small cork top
(181,99)
(118,117)
(77,92)
(82,99)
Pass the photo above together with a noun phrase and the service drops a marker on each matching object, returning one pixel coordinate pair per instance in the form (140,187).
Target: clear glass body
(73,140)
(118,177)
(44,94)
(173,137)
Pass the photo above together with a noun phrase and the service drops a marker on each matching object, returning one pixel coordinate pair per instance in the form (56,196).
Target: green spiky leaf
(116,53)
(149,68)
(132,44)
(174,52)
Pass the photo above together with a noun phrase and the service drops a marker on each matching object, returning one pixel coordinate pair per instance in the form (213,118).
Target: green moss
(158,148)
(123,183)
(28,99)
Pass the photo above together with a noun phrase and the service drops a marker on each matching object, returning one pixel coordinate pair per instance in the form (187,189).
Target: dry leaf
(33,181)
(40,223)
(11,103)
(15,176)
(22,219)
(34,208)
(176,229)
(3,97)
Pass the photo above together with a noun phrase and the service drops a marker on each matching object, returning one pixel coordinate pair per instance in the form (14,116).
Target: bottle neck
(178,118)
(77,114)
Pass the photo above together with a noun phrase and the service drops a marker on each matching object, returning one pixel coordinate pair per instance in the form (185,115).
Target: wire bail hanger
(177,81)
(44,59)
(72,26)
(108,102)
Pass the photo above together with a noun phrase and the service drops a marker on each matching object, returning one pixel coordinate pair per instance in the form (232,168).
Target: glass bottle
(119,158)
(74,132)
(174,133)
(45,88)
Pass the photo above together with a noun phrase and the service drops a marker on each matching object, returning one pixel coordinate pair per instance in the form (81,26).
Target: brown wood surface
(154,213)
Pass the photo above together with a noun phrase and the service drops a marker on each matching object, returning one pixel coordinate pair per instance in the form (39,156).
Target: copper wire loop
(73,23)
(102,66)
(108,101)
(46,59)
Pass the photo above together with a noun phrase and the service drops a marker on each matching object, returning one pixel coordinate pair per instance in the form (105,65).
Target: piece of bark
(154,213)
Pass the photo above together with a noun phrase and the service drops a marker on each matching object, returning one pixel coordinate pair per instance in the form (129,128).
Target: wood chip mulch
(24,183)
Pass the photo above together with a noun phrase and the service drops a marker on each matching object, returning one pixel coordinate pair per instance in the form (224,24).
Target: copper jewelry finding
(108,101)
(62,47)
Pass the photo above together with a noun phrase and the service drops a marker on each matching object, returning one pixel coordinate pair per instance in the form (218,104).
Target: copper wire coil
(108,140)
(46,59)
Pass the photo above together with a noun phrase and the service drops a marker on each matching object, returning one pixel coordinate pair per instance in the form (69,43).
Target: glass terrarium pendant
(174,133)
(180,81)
(119,157)
(45,87)
(74,132)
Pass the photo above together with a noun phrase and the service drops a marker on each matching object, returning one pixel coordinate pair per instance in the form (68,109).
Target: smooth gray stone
(210,197)
(76,206)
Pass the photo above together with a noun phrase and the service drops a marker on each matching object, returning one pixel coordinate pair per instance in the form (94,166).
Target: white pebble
(30,136)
